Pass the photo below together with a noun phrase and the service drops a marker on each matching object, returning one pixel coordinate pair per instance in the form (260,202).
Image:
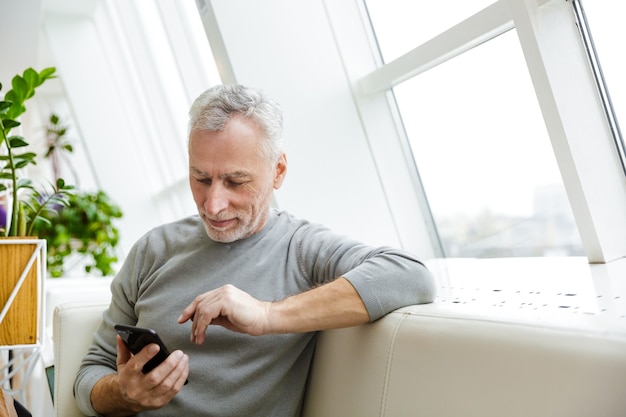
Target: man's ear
(281,171)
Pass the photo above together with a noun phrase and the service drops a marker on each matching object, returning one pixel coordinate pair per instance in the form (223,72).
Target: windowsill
(565,292)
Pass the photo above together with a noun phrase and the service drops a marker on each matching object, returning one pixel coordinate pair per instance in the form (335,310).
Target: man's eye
(235,184)
(205,181)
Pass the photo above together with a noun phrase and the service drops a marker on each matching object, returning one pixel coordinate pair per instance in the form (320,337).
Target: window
(484,150)
(485,158)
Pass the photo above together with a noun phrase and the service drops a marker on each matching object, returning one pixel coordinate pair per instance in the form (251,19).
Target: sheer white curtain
(130,71)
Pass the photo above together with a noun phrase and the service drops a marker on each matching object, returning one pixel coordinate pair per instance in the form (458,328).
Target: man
(268,281)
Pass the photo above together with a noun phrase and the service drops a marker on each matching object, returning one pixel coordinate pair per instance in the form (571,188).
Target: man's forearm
(330,306)
(107,399)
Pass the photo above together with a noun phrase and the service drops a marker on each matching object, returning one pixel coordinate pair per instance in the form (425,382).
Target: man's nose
(216,199)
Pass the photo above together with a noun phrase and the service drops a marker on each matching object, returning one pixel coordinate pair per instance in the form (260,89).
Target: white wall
(332,177)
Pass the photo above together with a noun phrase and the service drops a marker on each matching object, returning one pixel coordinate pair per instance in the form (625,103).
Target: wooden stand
(22,268)
(22,273)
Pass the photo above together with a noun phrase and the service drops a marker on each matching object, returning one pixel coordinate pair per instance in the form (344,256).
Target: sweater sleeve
(391,279)
(100,359)
(385,278)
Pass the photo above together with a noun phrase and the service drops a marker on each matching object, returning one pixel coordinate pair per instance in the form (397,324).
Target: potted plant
(24,203)
(81,233)
(27,203)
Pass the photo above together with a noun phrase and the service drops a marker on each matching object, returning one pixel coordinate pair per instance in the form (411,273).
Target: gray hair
(214,108)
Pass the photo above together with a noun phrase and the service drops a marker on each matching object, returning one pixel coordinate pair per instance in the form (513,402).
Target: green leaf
(46,73)
(22,164)
(11,96)
(45,220)
(29,156)
(17,142)
(31,205)
(16,110)
(10,124)
(32,78)
(20,88)
(4,105)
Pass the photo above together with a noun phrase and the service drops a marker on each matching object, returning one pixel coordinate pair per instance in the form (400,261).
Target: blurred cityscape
(549,231)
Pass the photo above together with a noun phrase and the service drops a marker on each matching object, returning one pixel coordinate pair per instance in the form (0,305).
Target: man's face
(231,181)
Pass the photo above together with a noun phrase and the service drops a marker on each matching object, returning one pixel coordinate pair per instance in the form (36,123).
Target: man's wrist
(107,398)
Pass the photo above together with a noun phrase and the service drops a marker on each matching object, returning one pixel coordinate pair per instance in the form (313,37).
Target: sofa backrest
(425,361)
(420,361)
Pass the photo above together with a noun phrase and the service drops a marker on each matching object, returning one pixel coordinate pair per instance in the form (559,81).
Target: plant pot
(22,268)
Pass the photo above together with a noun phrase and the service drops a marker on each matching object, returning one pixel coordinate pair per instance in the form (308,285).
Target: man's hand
(130,391)
(229,307)
(333,305)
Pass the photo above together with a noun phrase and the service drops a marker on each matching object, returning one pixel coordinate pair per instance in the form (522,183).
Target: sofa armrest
(73,328)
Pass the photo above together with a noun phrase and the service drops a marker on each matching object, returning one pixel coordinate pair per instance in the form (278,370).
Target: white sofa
(430,360)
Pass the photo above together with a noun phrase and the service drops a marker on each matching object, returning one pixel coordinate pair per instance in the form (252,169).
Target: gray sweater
(234,374)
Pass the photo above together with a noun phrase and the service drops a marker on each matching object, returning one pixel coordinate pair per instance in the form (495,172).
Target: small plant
(58,146)
(27,203)
(83,227)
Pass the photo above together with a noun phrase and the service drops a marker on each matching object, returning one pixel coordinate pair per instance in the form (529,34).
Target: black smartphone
(136,338)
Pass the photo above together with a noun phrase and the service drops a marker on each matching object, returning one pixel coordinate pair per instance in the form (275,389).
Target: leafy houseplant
(20,284)
(28,204)
(84,227)
(81,233)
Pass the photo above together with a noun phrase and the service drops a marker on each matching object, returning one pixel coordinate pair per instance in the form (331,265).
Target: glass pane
(485,158)
(605,20)
(402,25)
